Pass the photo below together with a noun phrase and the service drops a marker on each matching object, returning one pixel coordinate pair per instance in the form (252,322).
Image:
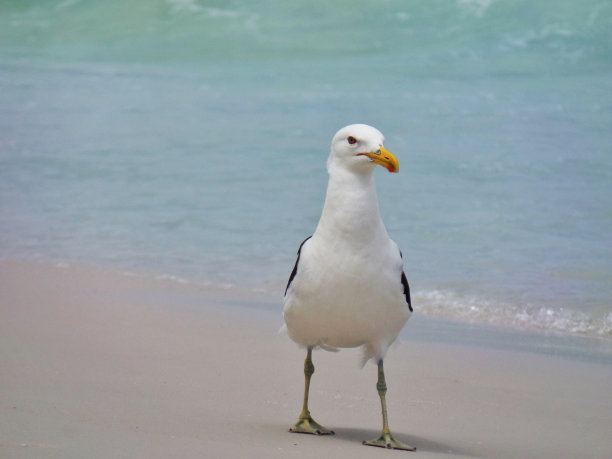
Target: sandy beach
(99,364)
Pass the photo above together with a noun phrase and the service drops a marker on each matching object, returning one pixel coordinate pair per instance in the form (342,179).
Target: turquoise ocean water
(189,137)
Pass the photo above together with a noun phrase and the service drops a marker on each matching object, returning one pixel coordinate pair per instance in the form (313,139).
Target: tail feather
(369,352)
(326,347)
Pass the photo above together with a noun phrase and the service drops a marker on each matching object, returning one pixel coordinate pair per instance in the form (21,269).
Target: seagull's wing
(297,261)
(404,283)
(406,290)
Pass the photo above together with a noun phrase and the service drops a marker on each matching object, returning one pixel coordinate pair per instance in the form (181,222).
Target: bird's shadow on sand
(420,443)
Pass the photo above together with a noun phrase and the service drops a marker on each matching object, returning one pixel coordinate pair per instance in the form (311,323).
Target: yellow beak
(384,158)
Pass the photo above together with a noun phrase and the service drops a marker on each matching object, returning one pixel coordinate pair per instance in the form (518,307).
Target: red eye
(352,140)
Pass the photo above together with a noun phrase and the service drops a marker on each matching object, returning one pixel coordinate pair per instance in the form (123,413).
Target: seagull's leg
(305,423)
(385,440)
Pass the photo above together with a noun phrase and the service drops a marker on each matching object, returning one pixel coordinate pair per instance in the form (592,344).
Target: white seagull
(348,287)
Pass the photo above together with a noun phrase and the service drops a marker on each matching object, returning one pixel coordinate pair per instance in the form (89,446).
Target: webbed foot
(309,426)
(386,440)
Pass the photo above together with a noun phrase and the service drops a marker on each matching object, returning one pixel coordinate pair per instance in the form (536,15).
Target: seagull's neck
(351,211)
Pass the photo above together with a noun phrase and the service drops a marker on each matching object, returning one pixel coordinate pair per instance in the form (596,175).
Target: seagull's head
(359,148)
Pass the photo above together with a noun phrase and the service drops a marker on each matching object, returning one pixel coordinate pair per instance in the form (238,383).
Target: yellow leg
(305,423)
(385,440)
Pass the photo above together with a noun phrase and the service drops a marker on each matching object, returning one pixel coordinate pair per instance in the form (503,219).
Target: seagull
(348,288)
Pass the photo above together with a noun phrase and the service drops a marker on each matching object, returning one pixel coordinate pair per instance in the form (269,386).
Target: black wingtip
(406,290)
(294,272)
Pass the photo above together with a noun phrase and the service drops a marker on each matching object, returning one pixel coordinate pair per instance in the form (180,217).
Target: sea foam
(450,305)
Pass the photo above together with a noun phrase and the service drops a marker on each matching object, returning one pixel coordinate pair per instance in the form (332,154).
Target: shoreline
(446,310)
(99,364)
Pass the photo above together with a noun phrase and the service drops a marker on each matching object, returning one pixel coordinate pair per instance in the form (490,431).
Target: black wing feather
(294,272)
(406,286)
(406,290)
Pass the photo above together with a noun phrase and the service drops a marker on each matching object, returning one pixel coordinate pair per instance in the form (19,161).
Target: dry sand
(95,364)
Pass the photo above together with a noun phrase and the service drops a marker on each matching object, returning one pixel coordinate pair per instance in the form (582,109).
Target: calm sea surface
(190,138)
